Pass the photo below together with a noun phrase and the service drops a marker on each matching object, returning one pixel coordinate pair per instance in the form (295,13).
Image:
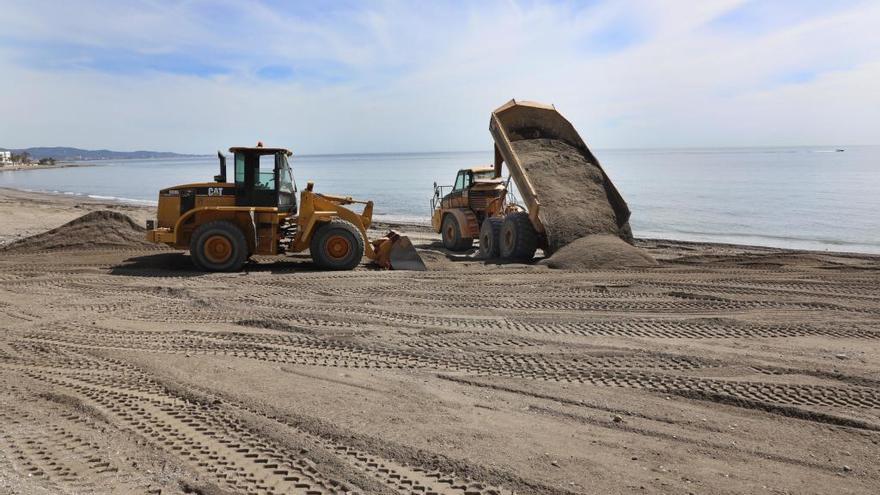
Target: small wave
(784,238)
(764,240)
(403,219)
(123,200)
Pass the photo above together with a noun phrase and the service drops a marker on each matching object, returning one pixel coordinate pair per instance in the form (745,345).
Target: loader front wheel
(518,239)
(490,234)
(218,246)
(451,233)
(337,245)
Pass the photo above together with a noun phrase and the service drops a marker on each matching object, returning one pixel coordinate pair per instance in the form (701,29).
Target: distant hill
(72,154)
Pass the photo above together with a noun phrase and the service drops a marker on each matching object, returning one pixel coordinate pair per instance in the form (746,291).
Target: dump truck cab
(457,211)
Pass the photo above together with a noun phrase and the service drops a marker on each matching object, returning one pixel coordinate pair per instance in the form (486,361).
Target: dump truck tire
(490,234)
(451,234)
(218,246)
(337,245)
(518,239)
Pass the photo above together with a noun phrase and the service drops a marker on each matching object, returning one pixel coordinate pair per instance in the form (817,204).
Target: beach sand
(724,369)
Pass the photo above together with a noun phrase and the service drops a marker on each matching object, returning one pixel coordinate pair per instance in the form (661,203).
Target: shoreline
(58,208)
(20,167)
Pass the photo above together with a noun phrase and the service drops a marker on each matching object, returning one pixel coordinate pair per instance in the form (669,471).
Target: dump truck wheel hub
(338,247)
(450,232)
(218,249)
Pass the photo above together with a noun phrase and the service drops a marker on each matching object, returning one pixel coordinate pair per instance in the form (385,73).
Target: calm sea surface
(810,198)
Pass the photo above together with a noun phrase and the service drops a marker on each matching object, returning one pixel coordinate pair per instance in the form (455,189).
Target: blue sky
(346,76)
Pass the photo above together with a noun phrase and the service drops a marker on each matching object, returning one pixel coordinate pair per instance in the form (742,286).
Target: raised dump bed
(567,193)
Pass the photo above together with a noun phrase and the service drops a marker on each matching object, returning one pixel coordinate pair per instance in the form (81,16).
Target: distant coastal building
(5,157)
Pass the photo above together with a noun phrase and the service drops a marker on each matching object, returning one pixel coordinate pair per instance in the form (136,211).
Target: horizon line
(354,153)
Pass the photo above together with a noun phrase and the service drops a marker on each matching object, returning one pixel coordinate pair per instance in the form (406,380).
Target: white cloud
(424,76)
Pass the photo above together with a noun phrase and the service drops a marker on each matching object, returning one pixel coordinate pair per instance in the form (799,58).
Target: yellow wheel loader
(223,223)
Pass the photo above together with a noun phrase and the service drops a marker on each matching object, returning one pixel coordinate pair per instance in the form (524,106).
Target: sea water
(809,198)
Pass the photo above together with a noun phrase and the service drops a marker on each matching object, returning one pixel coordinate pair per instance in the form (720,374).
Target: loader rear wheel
(518,239)
(490,234)
(337,245)
(451,233)
(218,246)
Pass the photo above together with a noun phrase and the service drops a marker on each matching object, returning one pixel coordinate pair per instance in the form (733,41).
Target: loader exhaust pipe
(222,176)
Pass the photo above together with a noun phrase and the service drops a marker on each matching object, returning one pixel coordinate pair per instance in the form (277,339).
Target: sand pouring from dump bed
(574,201)
(101,228)
(599,251)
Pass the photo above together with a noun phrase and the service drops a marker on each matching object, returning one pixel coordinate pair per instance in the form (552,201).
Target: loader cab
(263,178)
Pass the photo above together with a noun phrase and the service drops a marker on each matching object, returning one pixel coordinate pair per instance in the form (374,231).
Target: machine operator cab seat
(262,178)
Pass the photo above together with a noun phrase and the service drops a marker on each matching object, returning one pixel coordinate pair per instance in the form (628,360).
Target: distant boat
(840,150)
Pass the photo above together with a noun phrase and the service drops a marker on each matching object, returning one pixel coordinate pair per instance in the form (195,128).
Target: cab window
(266,177)
(460,181)
(285,178)
(239,168)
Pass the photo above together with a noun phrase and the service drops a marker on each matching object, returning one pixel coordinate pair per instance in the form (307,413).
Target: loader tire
(451,233)
(490,234)
(218,246)
(337,245)
(518,239)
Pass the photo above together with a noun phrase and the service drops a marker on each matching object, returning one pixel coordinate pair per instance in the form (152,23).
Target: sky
(407,76)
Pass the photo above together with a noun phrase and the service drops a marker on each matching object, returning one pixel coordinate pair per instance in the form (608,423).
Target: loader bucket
(397,252)
(404,256)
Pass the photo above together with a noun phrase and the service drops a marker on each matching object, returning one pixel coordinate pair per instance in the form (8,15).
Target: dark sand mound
(599,251)
(101,228)
(574,202)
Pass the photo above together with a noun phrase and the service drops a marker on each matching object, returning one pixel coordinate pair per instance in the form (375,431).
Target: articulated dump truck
(564,190)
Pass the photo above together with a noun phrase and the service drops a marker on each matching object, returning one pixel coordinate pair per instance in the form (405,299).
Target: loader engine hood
(201,189)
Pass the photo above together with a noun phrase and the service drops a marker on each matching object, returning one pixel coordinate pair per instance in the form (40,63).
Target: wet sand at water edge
(724,369)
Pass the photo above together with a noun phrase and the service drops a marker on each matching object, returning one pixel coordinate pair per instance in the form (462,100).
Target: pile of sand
(599,251)
(574,201)
(101,228)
